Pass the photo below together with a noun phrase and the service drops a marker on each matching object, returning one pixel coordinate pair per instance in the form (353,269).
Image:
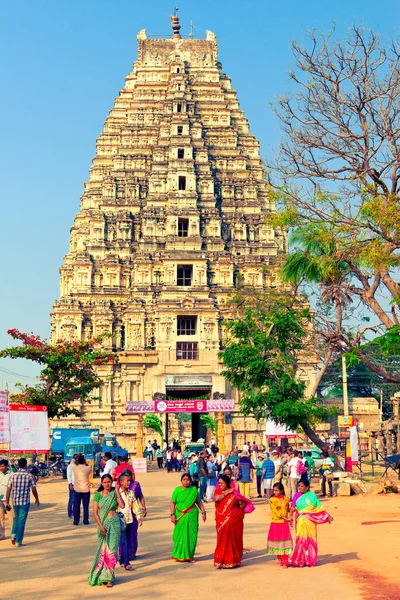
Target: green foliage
(209,423)
(261,357)
(153,422)
(389,343)
(69,372)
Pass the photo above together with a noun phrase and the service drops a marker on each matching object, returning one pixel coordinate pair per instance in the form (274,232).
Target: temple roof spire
(175,25)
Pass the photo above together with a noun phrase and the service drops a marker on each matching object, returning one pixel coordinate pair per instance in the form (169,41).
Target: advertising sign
(4,419)
(345,421)
(274,430)
(29,428)
(3,398)
(140,465)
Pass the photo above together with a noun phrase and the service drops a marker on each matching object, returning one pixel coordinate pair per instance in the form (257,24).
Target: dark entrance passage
(189,393)
(198,429)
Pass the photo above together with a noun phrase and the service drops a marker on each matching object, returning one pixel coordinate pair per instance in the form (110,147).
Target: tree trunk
(309,431)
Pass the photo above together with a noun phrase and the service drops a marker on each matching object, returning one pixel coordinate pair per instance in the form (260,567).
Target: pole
(221,432)
(139,437)
(166,429)
(345,394)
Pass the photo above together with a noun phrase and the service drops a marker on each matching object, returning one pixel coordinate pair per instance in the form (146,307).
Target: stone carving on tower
(175,209)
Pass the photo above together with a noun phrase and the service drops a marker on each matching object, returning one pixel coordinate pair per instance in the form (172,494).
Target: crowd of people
(248,465)
(119,508)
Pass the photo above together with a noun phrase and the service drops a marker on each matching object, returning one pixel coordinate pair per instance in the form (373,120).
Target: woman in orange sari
(230,507)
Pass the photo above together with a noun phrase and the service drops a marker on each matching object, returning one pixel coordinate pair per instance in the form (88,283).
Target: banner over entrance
(180,406)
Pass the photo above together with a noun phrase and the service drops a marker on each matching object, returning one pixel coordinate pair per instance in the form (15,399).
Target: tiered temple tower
(175,210)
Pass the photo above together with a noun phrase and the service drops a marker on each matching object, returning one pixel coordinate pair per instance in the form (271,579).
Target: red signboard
(178,406)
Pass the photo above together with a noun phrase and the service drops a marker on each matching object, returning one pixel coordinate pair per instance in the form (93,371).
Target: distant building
(365,410)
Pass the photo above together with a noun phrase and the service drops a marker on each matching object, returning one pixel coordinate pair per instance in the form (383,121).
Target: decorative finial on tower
(175,25)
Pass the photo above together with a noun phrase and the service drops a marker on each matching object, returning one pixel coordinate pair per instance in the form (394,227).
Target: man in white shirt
(4,477)
(278,466)
(294,476)
(70,479)
(110,464)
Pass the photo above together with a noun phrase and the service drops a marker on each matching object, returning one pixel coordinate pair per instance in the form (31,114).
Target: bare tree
(338,171)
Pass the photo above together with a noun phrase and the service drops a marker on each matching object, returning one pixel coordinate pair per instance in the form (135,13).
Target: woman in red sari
(230,507)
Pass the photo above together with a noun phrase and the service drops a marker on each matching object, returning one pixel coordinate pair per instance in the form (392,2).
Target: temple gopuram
(175,210)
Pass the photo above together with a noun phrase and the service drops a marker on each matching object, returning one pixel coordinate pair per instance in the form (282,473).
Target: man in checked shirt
(19,487)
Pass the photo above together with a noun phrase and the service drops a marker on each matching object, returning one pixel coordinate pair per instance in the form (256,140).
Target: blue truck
(87,445)
(61,435)
(65,442)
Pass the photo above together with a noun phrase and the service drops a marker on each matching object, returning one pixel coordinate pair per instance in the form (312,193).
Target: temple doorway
(197,429)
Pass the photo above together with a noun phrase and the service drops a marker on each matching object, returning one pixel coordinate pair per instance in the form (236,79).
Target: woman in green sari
(185,503)
(105,505)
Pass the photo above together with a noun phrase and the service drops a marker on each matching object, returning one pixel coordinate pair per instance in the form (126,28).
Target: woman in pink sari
(309,513)
(230,508)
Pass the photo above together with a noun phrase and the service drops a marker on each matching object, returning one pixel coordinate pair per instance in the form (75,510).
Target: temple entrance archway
(191,424)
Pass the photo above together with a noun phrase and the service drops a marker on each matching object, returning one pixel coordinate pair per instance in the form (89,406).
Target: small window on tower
(187,351)
(181,153)
(180,130)
(184,275)
(183,227)
(182,182)
(186,326)
(179,107)
(178,70)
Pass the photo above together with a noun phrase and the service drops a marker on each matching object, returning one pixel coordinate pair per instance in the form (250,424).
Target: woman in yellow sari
(309,513)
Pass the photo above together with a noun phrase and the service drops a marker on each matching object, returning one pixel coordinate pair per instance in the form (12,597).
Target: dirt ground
(359,554)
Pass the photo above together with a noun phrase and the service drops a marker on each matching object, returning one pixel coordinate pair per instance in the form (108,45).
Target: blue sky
(63,63)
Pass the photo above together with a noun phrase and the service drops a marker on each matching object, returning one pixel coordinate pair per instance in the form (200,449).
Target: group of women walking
(230,508)
(118,513)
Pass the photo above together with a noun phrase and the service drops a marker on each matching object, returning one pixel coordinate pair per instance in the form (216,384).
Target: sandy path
(356,561)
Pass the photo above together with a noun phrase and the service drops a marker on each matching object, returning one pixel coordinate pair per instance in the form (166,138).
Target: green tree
(69,373)
(209,423)
(267,339)
(153,422)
